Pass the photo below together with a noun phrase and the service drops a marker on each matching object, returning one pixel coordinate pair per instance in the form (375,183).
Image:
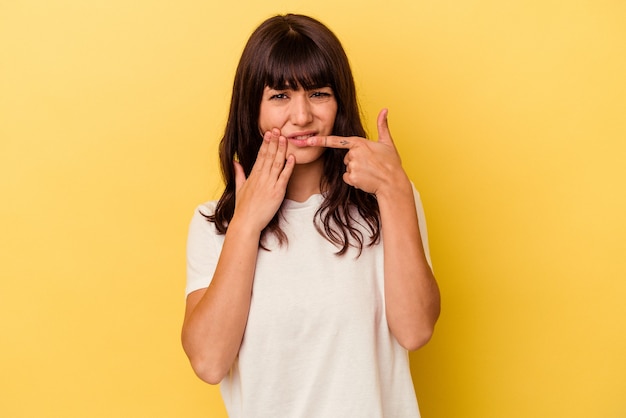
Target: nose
(301,114)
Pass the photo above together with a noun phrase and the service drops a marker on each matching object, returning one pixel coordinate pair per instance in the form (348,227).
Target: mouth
(301,137)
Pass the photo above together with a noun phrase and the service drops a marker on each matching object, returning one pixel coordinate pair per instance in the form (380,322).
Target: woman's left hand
(411,292)
(370,166)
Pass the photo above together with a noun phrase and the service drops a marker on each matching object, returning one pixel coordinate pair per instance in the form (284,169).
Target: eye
(278,96)
(321,94)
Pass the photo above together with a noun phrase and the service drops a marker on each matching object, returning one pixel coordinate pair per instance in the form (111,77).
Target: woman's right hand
(216,317)
(259,196)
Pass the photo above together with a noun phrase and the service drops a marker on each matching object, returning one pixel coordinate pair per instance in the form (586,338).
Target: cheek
(332,115)
(329,126)
(270,118)
(264,119)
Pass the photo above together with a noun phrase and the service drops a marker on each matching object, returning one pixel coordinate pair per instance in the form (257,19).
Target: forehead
(299,87)
(298,65)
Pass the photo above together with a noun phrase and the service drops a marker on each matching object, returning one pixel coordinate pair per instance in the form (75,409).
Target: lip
(301,136)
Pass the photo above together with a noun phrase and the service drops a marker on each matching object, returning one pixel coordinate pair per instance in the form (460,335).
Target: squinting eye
(320,94)
(278,96)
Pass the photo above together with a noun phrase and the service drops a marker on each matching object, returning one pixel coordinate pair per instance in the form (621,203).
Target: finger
(347,179)
(263,150)
(285,175)
(279,158)
(331,141)
(273,145)
(240,176)
(384,135)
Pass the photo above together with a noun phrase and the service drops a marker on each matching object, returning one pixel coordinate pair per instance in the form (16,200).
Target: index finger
(331,141)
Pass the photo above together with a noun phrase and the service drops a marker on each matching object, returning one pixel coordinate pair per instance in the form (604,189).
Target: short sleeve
(421,219)
(203,249)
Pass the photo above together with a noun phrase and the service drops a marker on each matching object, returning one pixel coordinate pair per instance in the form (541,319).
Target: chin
(306,155)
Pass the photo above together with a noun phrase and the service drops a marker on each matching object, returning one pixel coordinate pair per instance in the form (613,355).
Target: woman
(309,279)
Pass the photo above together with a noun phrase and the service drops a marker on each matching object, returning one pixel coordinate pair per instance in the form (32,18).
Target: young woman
(309,280)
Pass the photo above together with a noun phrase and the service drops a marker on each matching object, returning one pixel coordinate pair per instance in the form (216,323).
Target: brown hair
(296,51)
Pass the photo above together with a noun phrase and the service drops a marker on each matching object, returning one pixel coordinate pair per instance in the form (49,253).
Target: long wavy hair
(296,51)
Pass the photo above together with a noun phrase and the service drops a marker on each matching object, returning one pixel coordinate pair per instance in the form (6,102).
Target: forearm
(411,292)
(215,322)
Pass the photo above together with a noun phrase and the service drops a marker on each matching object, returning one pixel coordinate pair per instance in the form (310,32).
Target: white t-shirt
(317,343)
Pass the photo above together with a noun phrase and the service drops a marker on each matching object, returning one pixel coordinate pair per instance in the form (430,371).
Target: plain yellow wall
(510,116)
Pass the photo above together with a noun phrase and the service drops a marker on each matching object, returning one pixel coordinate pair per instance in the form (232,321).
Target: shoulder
(199,219)
(206,208)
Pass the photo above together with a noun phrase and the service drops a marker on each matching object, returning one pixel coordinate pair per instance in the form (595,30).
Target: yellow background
(510,117)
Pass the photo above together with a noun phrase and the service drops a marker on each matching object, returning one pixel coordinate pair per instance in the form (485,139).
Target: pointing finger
(331,141)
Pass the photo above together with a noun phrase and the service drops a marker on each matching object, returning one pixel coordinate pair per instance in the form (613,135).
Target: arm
(411,292)
(215,317)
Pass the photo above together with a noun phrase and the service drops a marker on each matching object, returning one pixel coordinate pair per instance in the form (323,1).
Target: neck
(305,180)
